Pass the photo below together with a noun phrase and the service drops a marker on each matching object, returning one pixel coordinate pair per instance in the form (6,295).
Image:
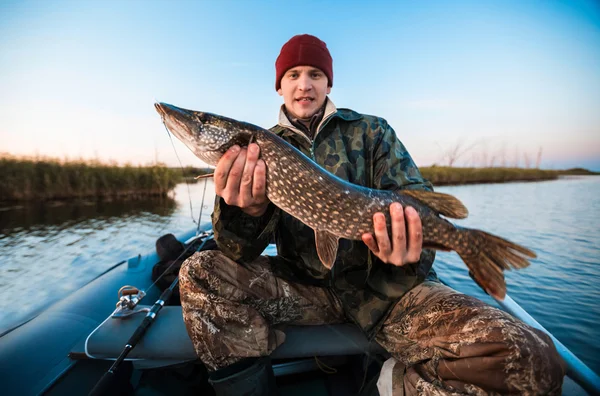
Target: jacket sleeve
(239,236)
(393,167)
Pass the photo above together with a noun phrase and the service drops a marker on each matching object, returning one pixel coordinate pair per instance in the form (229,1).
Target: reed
(443,175)
(42,179)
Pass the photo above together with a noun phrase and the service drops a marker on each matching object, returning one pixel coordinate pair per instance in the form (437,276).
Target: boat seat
(167,342)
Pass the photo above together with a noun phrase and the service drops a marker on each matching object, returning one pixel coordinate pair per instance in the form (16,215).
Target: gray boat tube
(576,369)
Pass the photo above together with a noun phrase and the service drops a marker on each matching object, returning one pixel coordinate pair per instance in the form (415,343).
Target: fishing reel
(129,297)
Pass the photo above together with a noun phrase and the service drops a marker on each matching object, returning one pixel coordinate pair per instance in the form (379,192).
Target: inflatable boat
(68,347)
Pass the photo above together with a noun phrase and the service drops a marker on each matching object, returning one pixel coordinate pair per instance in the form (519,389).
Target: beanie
(303,50)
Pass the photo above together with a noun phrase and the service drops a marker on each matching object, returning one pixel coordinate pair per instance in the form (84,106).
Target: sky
(499,82)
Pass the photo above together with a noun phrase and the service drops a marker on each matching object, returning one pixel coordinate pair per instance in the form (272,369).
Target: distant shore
(444,176)
(44,179)
(25,179)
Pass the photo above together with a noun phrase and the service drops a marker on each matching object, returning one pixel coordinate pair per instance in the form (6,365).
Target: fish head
(207,135)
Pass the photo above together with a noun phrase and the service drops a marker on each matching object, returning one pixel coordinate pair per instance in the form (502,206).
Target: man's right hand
(240,179)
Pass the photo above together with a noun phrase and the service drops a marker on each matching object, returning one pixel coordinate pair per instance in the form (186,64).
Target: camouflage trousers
(442,342)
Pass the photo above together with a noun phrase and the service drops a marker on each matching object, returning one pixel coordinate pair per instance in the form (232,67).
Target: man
(441,341)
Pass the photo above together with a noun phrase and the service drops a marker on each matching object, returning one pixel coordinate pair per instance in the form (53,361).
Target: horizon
(501,80)
(205,167)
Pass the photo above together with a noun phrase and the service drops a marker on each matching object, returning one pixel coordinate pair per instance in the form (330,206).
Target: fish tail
(487,256)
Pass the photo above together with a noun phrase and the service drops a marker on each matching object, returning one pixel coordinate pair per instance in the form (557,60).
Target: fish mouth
(182,123)
(159,107)
(167,110)
(197,130)
(177,120)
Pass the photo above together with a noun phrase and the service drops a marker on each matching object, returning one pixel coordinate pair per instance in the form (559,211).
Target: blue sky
(500,80)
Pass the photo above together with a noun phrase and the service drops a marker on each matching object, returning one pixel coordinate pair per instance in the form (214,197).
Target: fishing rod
(102,387)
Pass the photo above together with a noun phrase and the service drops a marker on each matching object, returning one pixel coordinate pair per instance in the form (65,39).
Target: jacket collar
(330,112)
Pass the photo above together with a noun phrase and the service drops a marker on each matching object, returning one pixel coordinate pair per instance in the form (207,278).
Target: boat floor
(294,377)
(330,376)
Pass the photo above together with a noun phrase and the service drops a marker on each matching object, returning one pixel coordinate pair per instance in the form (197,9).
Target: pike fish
(335,208)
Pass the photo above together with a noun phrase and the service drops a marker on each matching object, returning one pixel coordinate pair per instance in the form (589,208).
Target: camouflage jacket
(359,148)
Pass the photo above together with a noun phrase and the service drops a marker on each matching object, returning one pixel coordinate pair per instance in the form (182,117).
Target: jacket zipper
(311,142)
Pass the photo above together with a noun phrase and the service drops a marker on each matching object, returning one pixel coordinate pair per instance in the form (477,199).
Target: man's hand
(240,179)
(407,236)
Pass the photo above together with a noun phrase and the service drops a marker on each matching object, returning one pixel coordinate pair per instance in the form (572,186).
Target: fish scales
(335,208)
(353,206)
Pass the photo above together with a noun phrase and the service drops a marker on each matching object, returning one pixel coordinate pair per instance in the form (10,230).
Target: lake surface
(48,251)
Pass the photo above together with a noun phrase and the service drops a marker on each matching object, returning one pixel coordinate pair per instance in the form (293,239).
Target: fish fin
(495,255)
(327,246)
(444,204)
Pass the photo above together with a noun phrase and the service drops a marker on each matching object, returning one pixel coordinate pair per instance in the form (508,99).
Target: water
(49,251)
(46,252)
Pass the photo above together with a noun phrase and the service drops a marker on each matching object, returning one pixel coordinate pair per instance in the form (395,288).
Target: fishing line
(206,234)
(183,174)
(201,207)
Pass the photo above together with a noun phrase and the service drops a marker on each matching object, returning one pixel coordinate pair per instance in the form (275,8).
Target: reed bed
(578,172)
(441,175)
(42,179)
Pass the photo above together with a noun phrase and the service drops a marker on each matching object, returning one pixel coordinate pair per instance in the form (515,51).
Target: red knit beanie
(303,50)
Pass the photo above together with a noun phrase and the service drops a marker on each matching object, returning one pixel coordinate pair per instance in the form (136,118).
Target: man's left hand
(407,236)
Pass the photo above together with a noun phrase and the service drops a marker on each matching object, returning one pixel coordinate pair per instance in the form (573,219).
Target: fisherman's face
(304,90)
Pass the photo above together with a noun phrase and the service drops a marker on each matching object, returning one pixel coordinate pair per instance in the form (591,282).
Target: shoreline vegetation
(447,176)
(44,179)
(47,179)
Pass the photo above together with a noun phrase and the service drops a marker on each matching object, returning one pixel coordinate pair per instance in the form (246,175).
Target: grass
(43,179)
(578,172)
(440,175)
(46,179)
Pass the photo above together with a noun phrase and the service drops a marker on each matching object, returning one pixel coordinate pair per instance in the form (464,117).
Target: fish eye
(201,118)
